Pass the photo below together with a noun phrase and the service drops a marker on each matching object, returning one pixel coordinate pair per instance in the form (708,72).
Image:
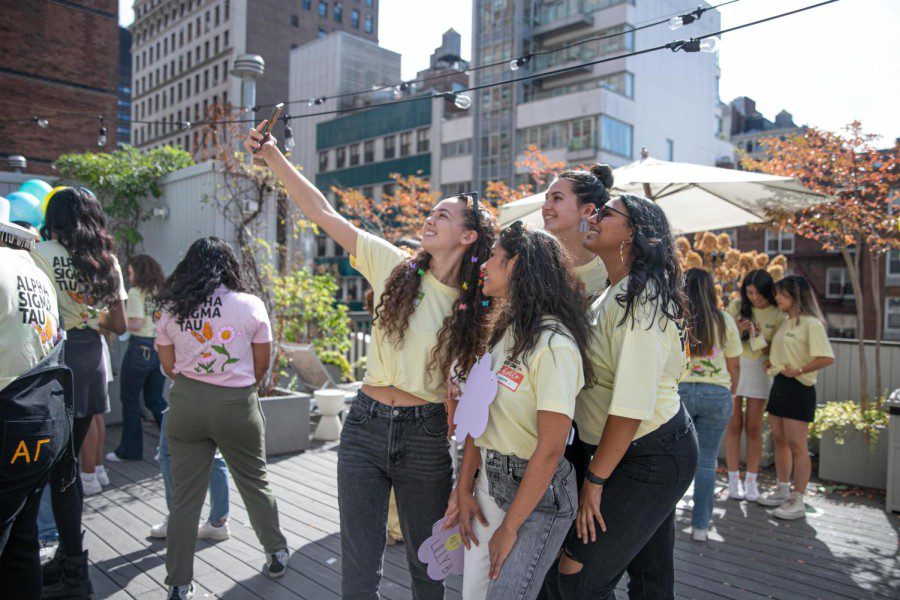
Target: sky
(827,67)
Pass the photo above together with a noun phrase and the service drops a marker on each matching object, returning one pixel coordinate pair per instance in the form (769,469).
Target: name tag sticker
(509,378)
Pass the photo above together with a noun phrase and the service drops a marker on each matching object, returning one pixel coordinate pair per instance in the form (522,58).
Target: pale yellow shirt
(137,307)
(712,369)
(404,365)
(29,321)
(77,310)
(768,320)
(637,367)
(796,343)
(548,378)
(593,275)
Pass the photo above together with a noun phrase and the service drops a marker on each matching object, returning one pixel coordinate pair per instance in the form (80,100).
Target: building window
(307,4)
(368,192)
(323,8)
(367,24)
(340,157)
(892,316)
(780,242)
(295,21)
(405,143)
(840,325)
(354,18)
(459,148)
(387,190)
(354,155)
(323,161)
(422,140)
(670,150)
(369,151)
(892,263)
(338,12)
(837,283)
(390,147)
(619,83)
(615,136)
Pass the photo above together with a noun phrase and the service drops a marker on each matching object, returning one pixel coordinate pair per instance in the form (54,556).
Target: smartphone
(270,124)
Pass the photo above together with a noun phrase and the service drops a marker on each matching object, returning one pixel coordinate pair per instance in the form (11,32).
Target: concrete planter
(287,422)
(852,462)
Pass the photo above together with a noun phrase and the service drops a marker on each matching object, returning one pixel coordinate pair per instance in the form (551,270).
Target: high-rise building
(123,125)
(747,125)
(57,58)
(665,102)
(183,51)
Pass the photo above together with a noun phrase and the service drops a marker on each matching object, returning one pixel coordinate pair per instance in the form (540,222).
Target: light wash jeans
(46,522)
(710,407)
(218,478)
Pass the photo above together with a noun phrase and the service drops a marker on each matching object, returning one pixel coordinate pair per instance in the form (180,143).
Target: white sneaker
(47,550)
(181,592)
(102,475)
(276,564)
(160,531)
(735,489)
(208,531)
(113,457)
(751,491)
(775,497)
(699,535)
(792,509)
(90,484)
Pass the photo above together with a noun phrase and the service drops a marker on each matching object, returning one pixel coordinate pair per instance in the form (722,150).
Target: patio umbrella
(694,197)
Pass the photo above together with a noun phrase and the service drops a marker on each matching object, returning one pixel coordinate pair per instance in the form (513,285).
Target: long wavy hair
(543,284)
(75,218)
(462,330)
(590,187)
(706,325)
(209,263)
(764,284)
(801,293)
(148,275)
(654,272)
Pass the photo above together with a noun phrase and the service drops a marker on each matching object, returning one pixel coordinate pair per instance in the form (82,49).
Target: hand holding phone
(269,125)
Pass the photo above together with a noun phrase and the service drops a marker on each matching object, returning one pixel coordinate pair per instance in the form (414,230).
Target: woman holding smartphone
(427,313)
(757,318)
(631,421)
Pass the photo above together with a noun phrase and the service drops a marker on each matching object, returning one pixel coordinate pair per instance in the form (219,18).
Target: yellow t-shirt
(29,320)
(796,343)
(768,320)
(77,310)
(137,307)
(548,378)
(712,369)
(593,276)
(404,365)
(637,367)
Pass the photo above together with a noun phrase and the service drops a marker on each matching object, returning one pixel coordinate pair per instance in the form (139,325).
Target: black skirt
(790,399)
(84,355)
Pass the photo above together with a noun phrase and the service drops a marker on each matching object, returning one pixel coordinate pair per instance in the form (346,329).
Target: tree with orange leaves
(395,215)
(541,170)
(857,221)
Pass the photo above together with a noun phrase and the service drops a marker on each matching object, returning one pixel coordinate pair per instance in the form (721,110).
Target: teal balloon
(36,188)
(25,207)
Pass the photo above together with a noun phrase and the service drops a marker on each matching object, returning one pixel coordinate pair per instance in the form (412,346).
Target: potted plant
(851,447)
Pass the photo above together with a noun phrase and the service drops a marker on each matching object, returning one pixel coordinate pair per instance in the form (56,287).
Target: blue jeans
(710,407)
(140,373)
(382,446)
(218,478)
(46,522)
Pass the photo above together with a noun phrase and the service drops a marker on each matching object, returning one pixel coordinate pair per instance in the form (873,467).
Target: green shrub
(840,418)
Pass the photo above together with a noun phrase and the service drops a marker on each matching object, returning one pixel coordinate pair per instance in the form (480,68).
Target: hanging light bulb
(676,23)
(310,102)
(686,19)
(289,143)
(101,136)
(517,63)
(42,123)
(184,125)
(710,44)
(460,101)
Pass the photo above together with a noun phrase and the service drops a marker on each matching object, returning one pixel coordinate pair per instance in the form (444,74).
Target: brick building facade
(57,57)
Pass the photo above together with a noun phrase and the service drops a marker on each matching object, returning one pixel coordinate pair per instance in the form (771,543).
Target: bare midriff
(392,396)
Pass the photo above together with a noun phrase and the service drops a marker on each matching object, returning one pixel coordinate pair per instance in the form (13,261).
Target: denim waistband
(377,409)
(677,424)
(496,461)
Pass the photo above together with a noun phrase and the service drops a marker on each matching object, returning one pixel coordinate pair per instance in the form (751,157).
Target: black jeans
(638,507)
(67,499)
(140,374)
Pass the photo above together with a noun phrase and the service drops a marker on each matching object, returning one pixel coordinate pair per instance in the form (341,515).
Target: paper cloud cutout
(443,552)
(481,388)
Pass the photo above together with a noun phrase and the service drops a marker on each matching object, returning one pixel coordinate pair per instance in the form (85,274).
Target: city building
(184,50)
(663,101)
(57,58)
(747,125)
(123,124)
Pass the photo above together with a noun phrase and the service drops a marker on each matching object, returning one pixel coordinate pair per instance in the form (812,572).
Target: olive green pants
(201,418)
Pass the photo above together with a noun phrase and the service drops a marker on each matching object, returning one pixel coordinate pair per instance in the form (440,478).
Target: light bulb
(514,64)
(43,123)
(101,138)
(289,143)
(184,125)
(676,23)
(310,102)
(462,102)
(710,44)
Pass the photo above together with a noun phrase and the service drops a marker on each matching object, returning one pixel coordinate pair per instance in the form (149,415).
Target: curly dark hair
(654,269)
(764,284)
(209,263)
(590,187)
(75,218)
(148,275)
(706,324)
(463,330)
(543,284)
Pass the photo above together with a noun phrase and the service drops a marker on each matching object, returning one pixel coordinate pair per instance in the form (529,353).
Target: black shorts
(790,399)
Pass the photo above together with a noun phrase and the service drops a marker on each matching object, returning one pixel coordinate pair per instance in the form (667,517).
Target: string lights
(101,136)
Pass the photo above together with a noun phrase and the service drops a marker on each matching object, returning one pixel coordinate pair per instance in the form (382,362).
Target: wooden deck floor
(848,549)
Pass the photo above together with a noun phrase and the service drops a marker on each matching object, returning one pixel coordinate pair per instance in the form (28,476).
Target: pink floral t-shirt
(213,345)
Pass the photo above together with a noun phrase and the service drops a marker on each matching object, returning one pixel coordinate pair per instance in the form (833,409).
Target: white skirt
(754,382)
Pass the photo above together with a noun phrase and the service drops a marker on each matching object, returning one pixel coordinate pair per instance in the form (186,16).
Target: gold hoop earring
(622,250)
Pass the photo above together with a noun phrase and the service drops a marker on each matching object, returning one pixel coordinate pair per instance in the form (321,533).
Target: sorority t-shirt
(712,369)
(593,276)
(796,343)
(637,366)
(138,306)
(547,378)
(768,320)
(214,344)
(404,364)
(77,309)
(29,321)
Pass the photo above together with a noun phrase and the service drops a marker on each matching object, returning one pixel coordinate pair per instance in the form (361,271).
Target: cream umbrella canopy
(694,197)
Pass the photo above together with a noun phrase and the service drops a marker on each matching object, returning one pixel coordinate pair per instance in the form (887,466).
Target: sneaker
(751,491)
(792,509)
(208,531)
(181,592)
(276,564)
(160,531)
(776,497)
(698,534)
(102,475)
(47,549)
(735,489)
(90,484)
(113,457)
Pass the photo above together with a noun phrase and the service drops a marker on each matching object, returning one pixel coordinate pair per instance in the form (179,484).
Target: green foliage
(332,357)
(841,418)
(120,179)
(306,312)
